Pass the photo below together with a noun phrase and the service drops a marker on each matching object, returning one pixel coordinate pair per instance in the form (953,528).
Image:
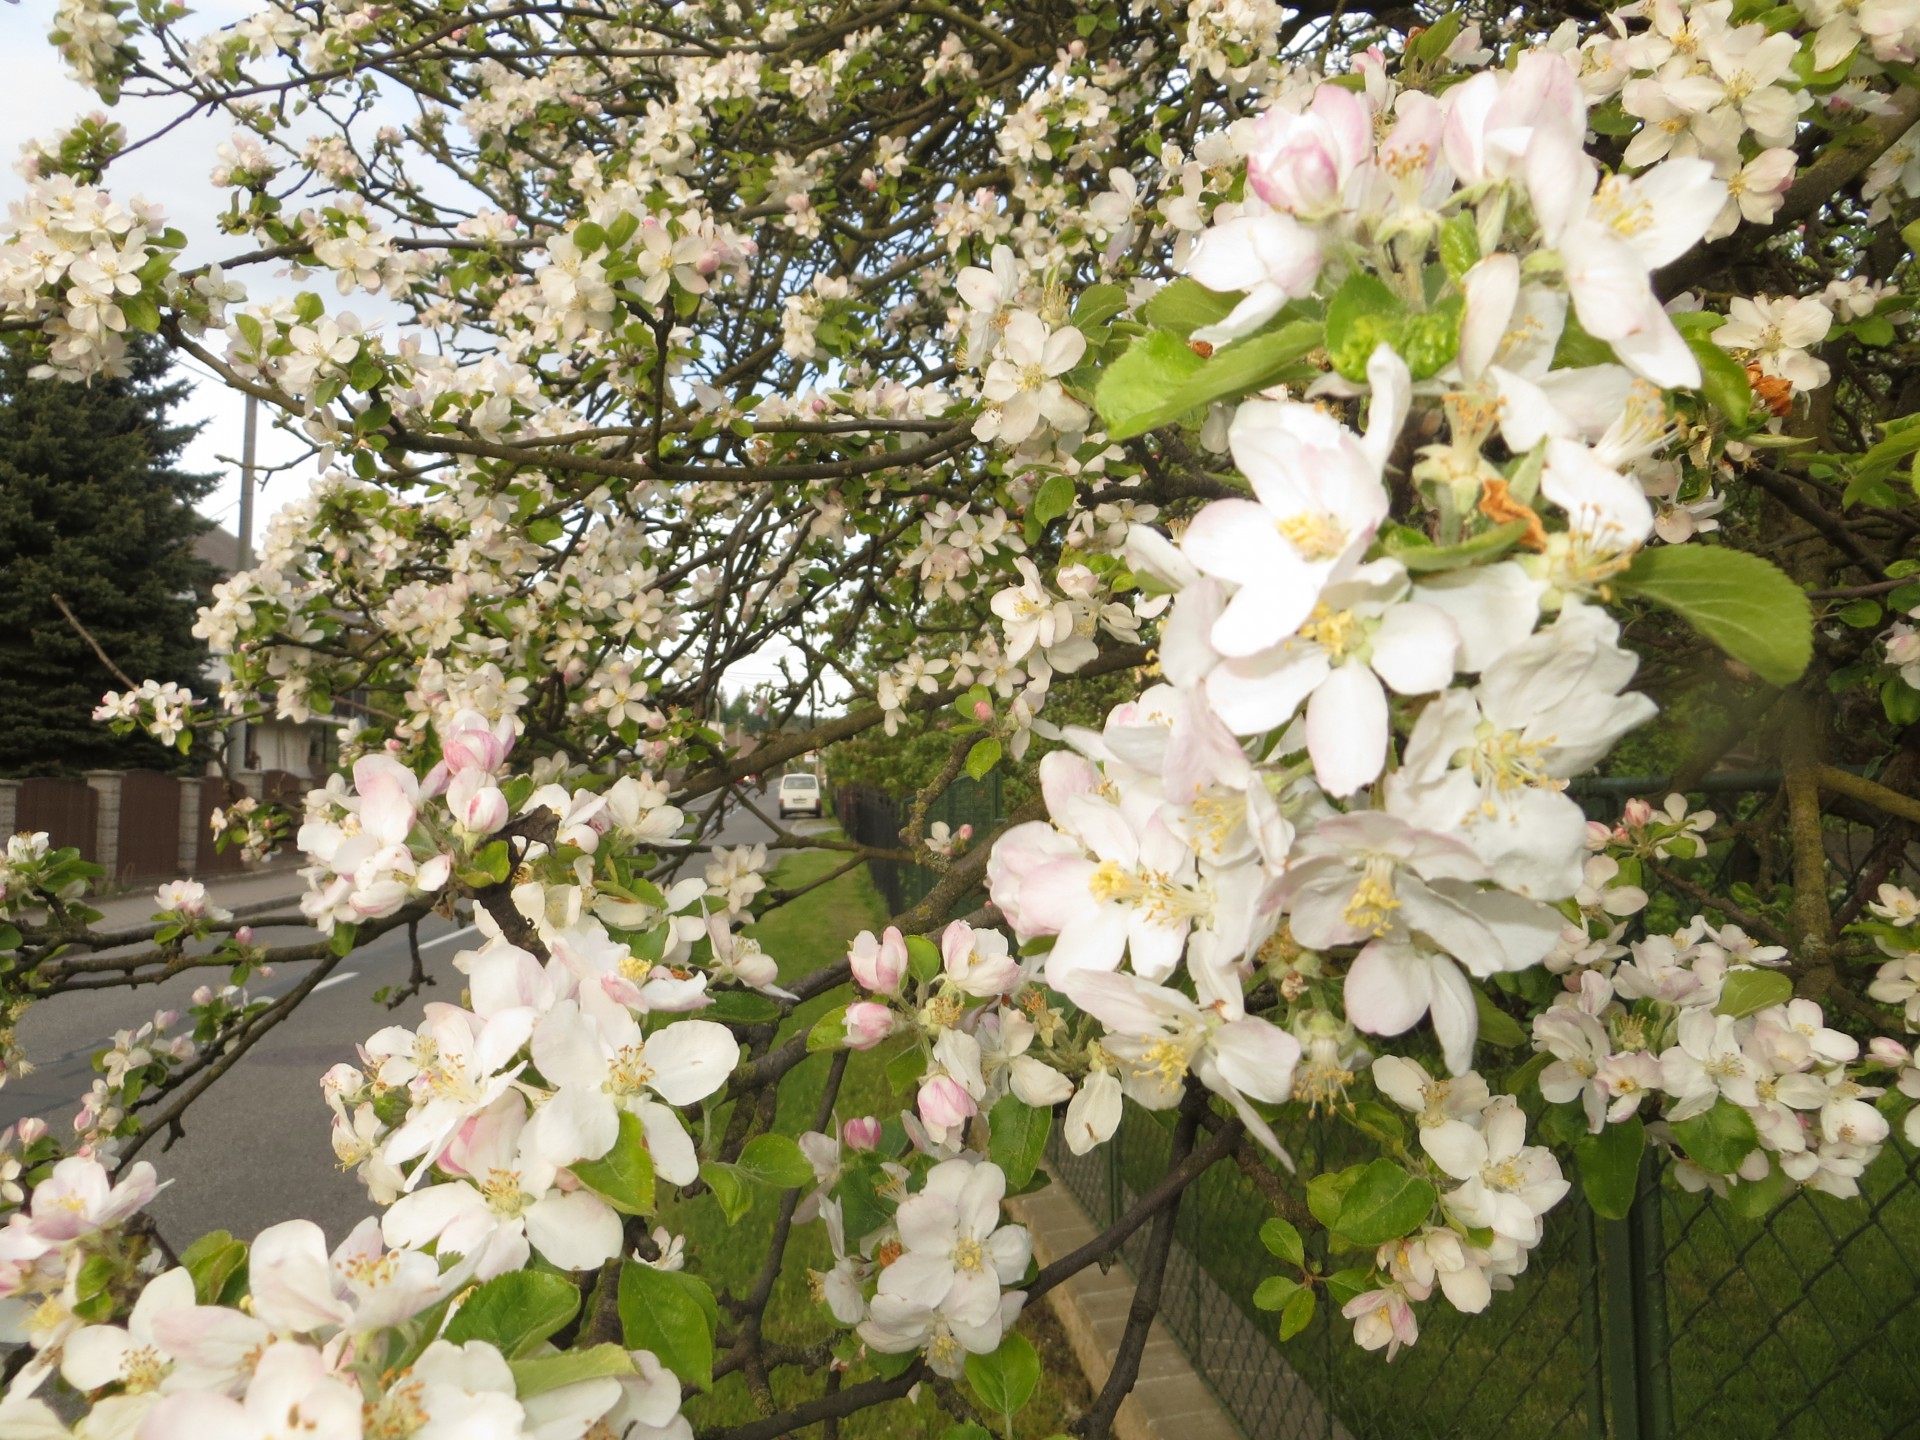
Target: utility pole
(243,559)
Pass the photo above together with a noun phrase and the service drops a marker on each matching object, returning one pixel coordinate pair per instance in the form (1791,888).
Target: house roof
(220,548)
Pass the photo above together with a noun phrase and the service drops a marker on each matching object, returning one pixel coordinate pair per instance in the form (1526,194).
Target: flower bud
(861,1134)
(1636,814)
(30,1129)
(244,935)
(879,965)
(203,995)
(478,805)
(944,1102)
(1883,1050)
(868,1024)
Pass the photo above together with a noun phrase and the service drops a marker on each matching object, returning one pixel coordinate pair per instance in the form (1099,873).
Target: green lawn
(803,936)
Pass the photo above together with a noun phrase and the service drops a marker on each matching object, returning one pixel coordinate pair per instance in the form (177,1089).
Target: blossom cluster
(306,1341)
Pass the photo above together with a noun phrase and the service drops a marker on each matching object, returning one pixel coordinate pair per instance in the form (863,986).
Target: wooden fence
(140,825)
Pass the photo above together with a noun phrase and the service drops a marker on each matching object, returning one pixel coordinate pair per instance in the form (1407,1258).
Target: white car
(800,795)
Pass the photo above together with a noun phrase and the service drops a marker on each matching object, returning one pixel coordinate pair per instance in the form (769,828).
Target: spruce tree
(93,509)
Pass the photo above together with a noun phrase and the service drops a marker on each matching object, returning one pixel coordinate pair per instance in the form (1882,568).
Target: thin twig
(87,635)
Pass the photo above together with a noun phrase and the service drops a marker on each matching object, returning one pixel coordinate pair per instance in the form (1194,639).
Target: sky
(173,171)
(42,98)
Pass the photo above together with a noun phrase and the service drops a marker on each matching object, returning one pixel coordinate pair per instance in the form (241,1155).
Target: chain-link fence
(873,817)
(1683,1321)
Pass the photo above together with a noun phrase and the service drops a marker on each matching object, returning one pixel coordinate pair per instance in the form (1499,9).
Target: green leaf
(1006,1379)
(775,1160)
(923,958)
(1862,614)
(1363,315)
(1160,388)
(1723,379)
(1900,701)
(659,1311)
(545,531)
(729,1189)
(589,237)
(1283,1240)
(1496,1026)
(142,314)
(887,1366)
(10,938)
(1430,45)
(1753,1199)
(1875,330)
(1017,1138)
(1459,246)
(1740,602)
(623,1177)
(493,859)
(213,1260)
(1184,306)
(542,1373)
(984,755)
(1422,558)
(829,1032)
(739,1007)
(1298,1313)
(1132,394)
(1527,1074)
(516,1311)
(1274,1292)
(1610,1167)
(1749,990)
(1718,1140)
(1054,500)
(1343,1285)
(858,1192)
(1429,340)
(1385,1203)
(1097,305)
(340,943)
(1326,1193)
(905,1069)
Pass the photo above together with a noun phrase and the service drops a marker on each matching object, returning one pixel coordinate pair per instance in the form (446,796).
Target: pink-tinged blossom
(879,966)
(1305,163)
(977,962)
(867,1024)
(1382,1320)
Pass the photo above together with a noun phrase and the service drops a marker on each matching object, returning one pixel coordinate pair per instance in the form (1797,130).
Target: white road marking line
(340,979)
(443,939)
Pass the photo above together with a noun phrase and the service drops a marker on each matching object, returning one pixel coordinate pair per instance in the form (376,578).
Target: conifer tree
(93,509)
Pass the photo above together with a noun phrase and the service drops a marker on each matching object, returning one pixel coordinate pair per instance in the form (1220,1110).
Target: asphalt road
(256,1147)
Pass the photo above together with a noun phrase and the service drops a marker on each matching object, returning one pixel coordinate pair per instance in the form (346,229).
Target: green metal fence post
(1652,1343)
(1621,1352)
(1588,1261)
